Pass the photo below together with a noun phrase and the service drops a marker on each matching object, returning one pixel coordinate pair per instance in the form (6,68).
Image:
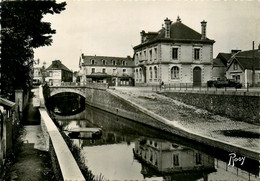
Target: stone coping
(69,168)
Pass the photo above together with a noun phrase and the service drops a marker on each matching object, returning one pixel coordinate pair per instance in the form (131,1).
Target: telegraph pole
(253,66)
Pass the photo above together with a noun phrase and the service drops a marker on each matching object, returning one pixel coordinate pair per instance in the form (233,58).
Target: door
(197,76)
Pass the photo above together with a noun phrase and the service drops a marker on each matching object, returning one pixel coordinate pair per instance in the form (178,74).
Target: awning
(6,103)
(99,75)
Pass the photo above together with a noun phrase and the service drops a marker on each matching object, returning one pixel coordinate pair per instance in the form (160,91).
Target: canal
(127,150)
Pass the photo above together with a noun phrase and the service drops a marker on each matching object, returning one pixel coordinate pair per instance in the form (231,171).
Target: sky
(112,28)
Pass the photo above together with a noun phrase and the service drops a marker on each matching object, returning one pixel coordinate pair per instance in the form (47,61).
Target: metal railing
(204,87)
(83,84)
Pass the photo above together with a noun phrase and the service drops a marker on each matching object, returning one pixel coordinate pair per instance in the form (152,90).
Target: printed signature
(233,159)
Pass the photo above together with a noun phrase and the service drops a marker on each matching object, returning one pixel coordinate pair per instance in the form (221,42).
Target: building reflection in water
(172,161)
(153,155)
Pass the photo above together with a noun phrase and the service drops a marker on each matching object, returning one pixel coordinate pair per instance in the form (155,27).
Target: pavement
(32,162)
(196,120)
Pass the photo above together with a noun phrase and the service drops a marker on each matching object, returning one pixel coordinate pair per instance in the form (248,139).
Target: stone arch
(79,91)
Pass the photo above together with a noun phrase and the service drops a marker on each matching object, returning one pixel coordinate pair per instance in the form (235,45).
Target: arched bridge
(75,88)
(61,89)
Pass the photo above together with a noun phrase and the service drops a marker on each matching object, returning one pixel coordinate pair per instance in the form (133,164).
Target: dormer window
(123,63)
(104,62)
(113,62)
(92,62)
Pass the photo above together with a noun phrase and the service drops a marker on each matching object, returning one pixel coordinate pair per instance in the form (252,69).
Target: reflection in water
(172,161)
(131,151)
(66,103)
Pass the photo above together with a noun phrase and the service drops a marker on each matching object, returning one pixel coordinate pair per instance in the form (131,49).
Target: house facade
(37,72)
(244,67)
(116,71)
(173,55)
(58,73)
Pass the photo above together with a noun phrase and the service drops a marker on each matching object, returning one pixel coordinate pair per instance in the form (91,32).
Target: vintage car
(224,83)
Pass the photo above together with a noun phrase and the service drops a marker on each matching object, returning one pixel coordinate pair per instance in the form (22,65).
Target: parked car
(224,83)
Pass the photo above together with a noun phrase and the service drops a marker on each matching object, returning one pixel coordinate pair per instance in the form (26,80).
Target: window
(155,72)
(123,63)
(113,62)
(155,53)
(258,76)
(144,54)
(114,71)
(175,53)
(104,62)
(50,74)
(198,158)
(141,73)
(236,77)
(176,160)
(151,72)
(235,65)
(93,70)
(151,54)
(103,70)
(175,72)
(196,54)
(92,62)
(124,70)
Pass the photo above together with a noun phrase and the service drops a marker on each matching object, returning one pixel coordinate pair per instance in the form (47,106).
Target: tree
(22,31)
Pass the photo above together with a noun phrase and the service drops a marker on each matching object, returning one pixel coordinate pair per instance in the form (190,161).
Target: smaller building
(37,73)
(58,73)
(116,71)
(220,65)
(244,67)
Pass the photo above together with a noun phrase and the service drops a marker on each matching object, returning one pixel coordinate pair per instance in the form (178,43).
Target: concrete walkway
(31,163)
(241,134)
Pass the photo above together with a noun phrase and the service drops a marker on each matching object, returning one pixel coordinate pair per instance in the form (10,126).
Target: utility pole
(253,66)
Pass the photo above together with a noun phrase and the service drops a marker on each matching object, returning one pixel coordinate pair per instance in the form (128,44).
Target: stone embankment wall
(242,108)
(111,102)
(106,100)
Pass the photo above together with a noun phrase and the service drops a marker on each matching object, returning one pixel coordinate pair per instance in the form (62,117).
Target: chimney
(235,51)
(203,29)
(142,33)
(167,27)
(178,19)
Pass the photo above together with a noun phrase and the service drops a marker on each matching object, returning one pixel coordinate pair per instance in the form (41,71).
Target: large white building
(116,71)
(173,55)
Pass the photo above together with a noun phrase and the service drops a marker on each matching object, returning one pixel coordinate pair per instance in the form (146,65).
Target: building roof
(179,32)
(224,57)
(218,63)
(248,53)
(247,59)
(57,65)
(108,60)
